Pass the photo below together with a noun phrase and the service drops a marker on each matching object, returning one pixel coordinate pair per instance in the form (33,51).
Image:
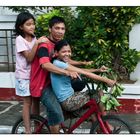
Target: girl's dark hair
(54,20)
(21,19)
(60,44)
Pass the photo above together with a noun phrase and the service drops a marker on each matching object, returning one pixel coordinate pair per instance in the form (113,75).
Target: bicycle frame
(93,108)
(92,113)
(40,126)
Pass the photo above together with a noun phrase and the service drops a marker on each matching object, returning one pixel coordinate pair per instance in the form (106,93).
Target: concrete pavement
(11,110)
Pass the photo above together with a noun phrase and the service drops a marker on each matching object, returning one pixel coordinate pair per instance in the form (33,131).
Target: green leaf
(114,100)
(104,98)
(108,106)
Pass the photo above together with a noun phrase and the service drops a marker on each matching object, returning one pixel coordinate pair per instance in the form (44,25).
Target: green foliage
(33,9)
(129,59)
(101,35)
(96,33)
(42,20)
(109,99)
(42,23)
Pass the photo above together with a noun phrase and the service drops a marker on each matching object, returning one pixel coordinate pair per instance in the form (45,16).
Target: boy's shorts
(53,108)
(22,87)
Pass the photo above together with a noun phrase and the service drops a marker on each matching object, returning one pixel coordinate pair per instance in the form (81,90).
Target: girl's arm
(91,75)
(29,55)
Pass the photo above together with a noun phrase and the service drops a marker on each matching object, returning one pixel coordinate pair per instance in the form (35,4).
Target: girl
(25,49)
(61,84)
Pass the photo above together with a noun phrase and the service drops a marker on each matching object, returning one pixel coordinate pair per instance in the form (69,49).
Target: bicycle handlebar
(84,79)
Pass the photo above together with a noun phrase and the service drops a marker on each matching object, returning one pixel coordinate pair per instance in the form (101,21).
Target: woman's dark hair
(21,19)
(54,20)
(60,44)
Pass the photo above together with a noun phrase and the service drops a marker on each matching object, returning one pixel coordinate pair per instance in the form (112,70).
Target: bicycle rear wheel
(115,122)
(38,126)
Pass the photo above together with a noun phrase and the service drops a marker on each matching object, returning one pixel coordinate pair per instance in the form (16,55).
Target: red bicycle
(80,121)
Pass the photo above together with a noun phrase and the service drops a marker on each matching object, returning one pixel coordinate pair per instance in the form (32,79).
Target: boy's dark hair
(21,19)
(60,44)
(54,20)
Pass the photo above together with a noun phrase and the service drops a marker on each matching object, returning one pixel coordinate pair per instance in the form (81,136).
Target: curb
(5,129)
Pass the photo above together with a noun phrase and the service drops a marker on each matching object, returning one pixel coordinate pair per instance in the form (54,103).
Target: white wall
(5,11)
(7,18)
(134,43)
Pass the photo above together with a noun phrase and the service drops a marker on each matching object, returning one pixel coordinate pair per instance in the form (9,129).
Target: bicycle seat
(77,113)
(77,84)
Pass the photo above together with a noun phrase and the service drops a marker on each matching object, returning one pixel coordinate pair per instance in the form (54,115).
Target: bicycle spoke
(117,126)
(37,126)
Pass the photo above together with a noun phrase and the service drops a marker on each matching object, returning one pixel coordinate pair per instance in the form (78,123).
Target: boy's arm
(79,63)
(52,68)
(102,69)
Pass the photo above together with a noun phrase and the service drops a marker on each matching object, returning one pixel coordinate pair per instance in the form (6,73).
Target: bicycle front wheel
(114,121)
(38,126)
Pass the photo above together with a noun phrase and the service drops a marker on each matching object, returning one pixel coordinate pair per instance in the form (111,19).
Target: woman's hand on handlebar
(111,83)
